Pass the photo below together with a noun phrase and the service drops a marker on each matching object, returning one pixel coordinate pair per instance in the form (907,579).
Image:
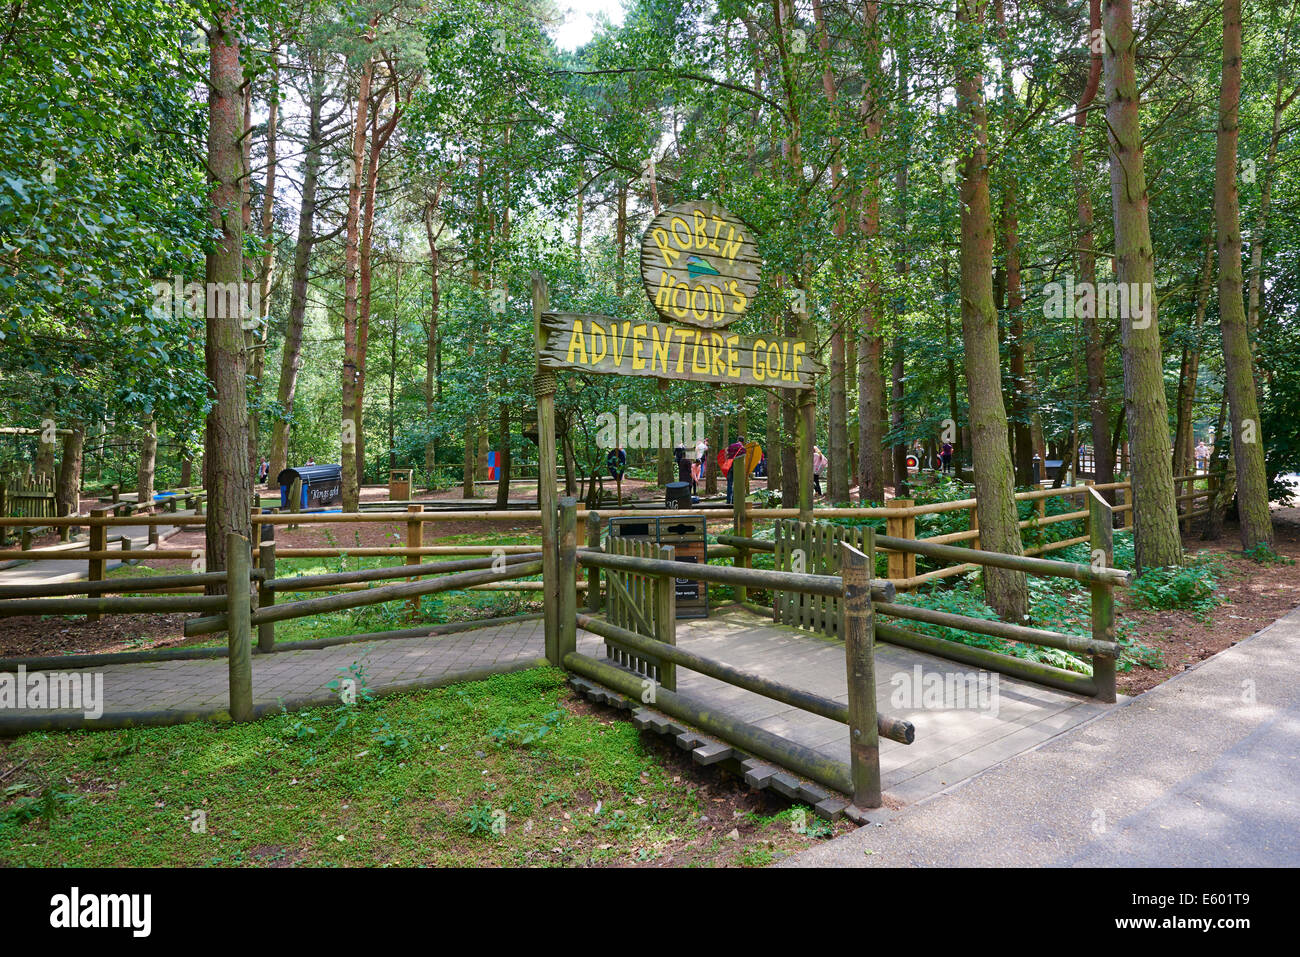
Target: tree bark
(257,337)
(225,461)
(68,491)
(1255,520)
(291,351)
(148,461)
(431,349)
(1006,591)
(1155,517)
(351,418)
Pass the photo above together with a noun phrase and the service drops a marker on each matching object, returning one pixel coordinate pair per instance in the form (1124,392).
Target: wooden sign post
(701,267)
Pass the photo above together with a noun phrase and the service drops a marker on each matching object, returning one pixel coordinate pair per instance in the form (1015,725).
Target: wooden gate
(645,604)
(813,548)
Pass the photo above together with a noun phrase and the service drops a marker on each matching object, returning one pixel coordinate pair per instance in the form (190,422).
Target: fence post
(567,610)
(665,617)
(98,543)
(266,596)
(295,497)
(1102,533)
(593,573)
(740,492)
(859,662)
(238,566)
(414,539)
(901,564)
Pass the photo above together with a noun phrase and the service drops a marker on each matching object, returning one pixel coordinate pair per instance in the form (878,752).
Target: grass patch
(495,772)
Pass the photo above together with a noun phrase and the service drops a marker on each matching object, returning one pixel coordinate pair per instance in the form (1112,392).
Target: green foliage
(1192,587)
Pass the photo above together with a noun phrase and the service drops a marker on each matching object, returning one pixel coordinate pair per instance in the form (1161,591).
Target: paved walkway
(952,743)
(1202,771)
(197,688)
(71,570)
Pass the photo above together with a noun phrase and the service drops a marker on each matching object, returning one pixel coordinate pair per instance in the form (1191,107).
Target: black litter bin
(678,495)
(322,485)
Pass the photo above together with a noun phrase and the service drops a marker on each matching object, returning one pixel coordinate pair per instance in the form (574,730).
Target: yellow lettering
(760,369)
(701,315)
(638,346)
(732,245)
(598,353)
(661,240)
(773,360)
(713,242)
(701,230)
(677,237)
(799,349)
(679,311)
(715,343)
(619,343)
(659,349)
(695,356)
(733,370)
(685,334)
(664,294)
(577,343)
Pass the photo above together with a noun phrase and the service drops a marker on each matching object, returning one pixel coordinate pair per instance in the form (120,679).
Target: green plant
(1192,586)
(1264,554)
(527,732)
(483,821)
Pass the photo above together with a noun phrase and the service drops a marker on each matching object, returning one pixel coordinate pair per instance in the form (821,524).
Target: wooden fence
(860,778)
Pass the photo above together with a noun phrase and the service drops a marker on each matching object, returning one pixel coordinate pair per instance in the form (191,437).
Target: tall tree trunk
(503,445)
(772,435)
(1006,591)
(227,478)
(467,463)
(68,492)
(1184,439)
(1017,347)
(1155,516)
(379,136)
(148,460)
(291,351)
(1223,469)
(1255,520)
(45,450)
(838,425)
(265,274)
(351,419)
(431,350)
(1094,346)
(1281,102)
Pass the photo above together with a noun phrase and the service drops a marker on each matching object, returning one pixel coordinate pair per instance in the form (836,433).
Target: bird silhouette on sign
(695,266)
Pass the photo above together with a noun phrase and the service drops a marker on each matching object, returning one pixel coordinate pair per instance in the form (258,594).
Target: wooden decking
(952,743)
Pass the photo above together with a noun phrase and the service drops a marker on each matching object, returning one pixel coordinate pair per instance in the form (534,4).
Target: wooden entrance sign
(700,265)
(591,343)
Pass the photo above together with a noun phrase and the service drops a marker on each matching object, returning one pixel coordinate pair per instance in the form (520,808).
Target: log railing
(860,778)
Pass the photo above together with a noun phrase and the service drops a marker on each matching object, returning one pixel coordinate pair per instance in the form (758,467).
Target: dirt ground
(1257,595)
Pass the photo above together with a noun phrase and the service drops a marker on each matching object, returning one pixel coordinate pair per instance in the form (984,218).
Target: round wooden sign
(700,265)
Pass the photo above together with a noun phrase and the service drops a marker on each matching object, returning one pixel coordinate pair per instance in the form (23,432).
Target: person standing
(734,450)
(819,466)
(945,456)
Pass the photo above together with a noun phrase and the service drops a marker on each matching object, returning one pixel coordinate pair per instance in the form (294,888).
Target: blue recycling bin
(322,486)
